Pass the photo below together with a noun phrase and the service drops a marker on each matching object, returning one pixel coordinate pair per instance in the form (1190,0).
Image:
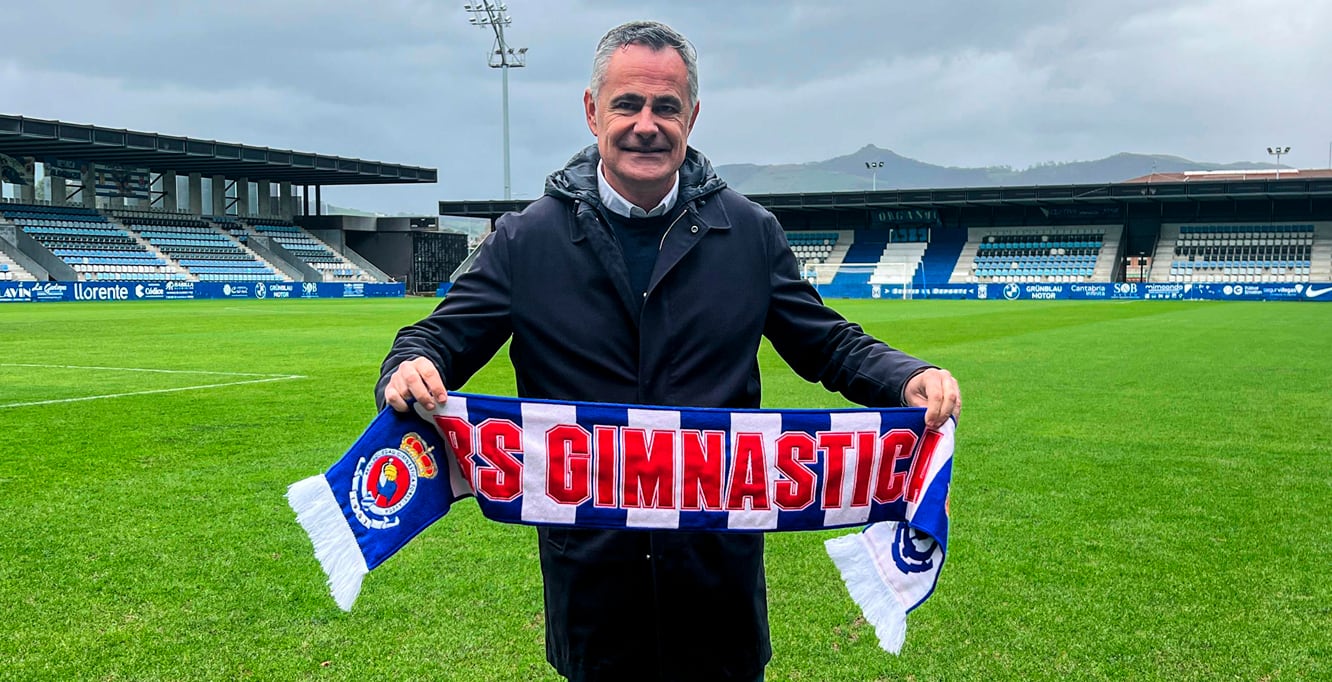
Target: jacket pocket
(556,539)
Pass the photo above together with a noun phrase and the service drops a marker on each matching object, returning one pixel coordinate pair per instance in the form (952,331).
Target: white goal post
(882,274)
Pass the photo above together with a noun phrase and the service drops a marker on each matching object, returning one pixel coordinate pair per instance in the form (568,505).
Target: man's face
(642,118)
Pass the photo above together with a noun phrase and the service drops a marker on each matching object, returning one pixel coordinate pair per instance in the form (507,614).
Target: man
(640,278)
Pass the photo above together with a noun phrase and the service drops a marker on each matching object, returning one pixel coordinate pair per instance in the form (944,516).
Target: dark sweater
(640,240)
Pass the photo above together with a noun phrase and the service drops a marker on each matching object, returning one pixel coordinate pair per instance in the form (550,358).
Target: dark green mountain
(848,173)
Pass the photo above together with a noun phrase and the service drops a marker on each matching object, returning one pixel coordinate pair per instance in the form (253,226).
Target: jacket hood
(578,179)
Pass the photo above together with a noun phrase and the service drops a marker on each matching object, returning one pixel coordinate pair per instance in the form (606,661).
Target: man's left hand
(935,390)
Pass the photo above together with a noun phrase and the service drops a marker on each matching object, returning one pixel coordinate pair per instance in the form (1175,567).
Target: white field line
(265,378)
(145,369)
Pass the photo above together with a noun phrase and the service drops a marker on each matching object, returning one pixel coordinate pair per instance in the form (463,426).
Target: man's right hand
(416,378)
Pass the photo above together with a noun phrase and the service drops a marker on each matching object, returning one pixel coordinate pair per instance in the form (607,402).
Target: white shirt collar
(618,205)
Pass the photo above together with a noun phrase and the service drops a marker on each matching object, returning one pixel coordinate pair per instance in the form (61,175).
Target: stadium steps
(11,271)
(345,263)
(966,258)
(286,276)
(274,229)
(1320,254)
(828,269)
(1112,246)
(865,251)
(941,256)
(898,263)
(289,264)
(1164,254)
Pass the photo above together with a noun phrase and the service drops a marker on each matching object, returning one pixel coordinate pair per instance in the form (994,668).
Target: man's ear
(590,108)
(694,116)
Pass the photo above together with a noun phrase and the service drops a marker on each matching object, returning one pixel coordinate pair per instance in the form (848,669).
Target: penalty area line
(148,369)
(269,378)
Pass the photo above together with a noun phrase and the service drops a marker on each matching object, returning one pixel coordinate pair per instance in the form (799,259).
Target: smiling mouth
(647,151)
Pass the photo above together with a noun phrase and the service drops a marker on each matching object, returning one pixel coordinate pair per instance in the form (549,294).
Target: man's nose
(645,123)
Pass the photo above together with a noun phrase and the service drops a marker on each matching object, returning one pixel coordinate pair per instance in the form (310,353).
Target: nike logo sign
(1315,293)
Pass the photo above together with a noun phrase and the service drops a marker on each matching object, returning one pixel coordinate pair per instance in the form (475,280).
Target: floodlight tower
(1277,152)
(874,167)
(486,13)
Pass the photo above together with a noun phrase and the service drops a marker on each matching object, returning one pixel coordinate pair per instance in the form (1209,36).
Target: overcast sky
(962,83)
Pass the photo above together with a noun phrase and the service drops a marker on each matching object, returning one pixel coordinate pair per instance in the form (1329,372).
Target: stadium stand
(231,225)
(144,244)
(202,250)
(820,252)
(1235,252)
(812,247)
(870,256)
(310,250)
(1052,254)
(95,247)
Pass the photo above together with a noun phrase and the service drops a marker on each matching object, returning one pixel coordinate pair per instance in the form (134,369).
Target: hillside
(848,173)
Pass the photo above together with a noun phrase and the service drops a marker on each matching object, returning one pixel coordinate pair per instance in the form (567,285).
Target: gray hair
(653,34)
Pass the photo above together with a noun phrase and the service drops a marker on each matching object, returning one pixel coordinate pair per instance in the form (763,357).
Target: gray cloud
(961,83)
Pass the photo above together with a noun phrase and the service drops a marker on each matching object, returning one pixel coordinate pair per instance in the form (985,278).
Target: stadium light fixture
(1277,152)
(494,15)
(874,167)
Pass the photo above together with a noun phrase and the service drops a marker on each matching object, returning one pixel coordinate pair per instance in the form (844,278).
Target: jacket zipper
(652,546)
(662,243)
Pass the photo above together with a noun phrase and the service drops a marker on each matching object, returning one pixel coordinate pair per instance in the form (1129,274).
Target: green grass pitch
(1142,490)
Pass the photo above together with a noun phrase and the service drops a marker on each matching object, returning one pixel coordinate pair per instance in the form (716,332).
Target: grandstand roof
(20,136)
(1305,184)
(1234,175)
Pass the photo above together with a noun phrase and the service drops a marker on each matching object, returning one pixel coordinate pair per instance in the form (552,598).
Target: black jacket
(635,605)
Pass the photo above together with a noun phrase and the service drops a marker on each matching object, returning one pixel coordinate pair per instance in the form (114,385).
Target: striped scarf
(595,465)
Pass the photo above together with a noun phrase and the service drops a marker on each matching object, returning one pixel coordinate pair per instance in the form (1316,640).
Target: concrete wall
(344,223)
(286,261)
(370,268)
(390,252)
(16,254)
(358,239)
(34,257)
(333,238)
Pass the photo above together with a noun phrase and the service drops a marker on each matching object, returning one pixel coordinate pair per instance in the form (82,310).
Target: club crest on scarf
(913,551)
(386,481)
